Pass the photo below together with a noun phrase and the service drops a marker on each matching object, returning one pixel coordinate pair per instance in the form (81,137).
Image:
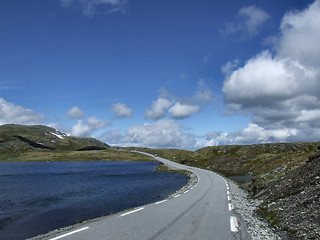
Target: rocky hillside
(17,140)
(293,203)
(285,176)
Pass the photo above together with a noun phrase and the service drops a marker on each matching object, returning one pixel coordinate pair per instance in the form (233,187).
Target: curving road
(201,212)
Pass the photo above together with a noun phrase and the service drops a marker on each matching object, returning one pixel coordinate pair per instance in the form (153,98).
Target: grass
(18,139)
(266,162)
(164,168)
(61,156)
(176,155)
(271,218)
(259,160)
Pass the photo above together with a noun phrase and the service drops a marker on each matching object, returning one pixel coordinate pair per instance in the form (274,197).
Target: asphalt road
(201,212)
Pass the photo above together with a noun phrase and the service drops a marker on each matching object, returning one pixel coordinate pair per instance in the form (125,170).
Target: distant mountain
(21,138)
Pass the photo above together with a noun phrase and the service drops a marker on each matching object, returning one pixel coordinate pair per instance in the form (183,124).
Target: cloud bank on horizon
(277,89)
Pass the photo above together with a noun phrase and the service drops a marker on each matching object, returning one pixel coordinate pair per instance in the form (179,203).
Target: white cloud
(229,67)
(281,92)
(309,115)
(204,93)
(207,57)
(89,7)
(75,113)
(230,28)
(158,109)
(250,21)
(181,110)
(252,134)
(266,78)
(165,133)
(113,137)
(253,18)
(121,110)
(300,36)
(11,113)
(8,85)
(85,129)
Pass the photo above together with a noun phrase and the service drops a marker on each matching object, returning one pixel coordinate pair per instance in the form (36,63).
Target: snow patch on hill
(57,135)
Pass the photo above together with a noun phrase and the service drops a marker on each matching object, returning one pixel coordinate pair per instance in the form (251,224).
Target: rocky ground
(293,203)
(245,208)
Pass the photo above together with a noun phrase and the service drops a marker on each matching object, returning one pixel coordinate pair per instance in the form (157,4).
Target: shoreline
(192,181)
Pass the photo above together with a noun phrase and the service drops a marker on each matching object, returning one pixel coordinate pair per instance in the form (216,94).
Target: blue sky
(181,74)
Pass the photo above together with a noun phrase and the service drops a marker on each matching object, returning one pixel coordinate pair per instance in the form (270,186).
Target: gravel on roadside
(244,207)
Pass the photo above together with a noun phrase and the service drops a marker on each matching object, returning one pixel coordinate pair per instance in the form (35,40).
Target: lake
(37,197)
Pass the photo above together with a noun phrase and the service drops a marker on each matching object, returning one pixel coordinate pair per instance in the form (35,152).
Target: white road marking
(68,234)
(230,206)
(229,198)
(234,224)
(228,192)
(186,191)
(198,177)
(161,201)
(133,211)
(177,195)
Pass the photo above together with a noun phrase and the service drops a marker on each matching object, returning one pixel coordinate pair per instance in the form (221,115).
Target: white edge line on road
(177,195)
(234,224)
(230,206)
(68,234)
(133,211)
(198,177)
(229,198)
(161,201)
(186,191)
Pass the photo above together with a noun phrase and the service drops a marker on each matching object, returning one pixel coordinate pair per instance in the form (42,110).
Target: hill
(42,143)
(284,176)
(21,137)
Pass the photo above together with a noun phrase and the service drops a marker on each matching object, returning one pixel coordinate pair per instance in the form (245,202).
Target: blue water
(38,197)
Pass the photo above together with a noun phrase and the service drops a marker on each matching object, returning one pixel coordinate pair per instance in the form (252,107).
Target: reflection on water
(38,197)
(243,181)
